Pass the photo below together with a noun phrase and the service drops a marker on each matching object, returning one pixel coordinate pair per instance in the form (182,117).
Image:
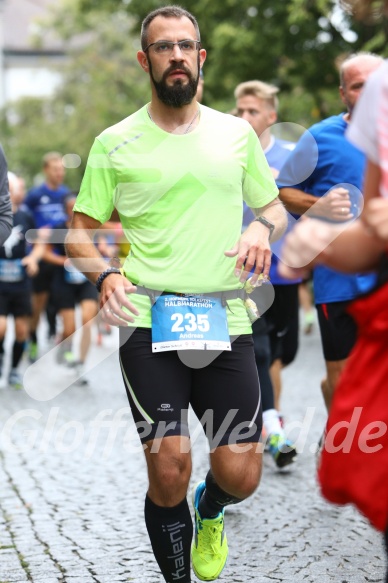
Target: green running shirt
(180,201)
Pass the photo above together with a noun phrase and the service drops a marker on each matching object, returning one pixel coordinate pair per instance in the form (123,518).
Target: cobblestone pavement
(72,484)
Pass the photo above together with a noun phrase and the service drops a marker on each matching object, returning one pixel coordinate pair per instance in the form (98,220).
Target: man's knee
(334,371)
(241,487)
(239,479)
(169,469)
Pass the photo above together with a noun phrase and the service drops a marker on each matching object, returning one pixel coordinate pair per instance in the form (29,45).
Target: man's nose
(176,53)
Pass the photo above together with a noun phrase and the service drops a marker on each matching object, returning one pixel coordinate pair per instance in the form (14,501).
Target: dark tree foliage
(296,45)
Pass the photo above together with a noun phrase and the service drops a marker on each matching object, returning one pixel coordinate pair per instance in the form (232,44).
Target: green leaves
(293,44)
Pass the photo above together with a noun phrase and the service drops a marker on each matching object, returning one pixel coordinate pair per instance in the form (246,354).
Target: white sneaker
(80,372)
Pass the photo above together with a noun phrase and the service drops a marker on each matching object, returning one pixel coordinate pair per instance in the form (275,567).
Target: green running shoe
(209,550)
(282,450)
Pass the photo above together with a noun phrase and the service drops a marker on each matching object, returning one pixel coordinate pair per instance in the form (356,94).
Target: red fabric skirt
(354,463)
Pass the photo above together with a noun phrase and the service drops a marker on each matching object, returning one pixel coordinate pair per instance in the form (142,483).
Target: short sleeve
(96,194)
(259,187)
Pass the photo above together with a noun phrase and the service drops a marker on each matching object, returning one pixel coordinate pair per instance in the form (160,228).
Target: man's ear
(143,61)
(202,57)
(272,117)
(342,94)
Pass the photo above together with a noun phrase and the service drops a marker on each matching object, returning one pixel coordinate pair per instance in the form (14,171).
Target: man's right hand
(113,299)
(334,206)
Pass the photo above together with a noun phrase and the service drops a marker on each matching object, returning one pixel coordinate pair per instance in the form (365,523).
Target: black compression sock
(33,337)
(17,353)
(170,531)
(214,499)
(1,345)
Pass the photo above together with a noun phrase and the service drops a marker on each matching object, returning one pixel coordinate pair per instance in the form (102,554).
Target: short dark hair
(49,156)
(166,12)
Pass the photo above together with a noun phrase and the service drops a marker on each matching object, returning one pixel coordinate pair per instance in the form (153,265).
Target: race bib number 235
(189,323)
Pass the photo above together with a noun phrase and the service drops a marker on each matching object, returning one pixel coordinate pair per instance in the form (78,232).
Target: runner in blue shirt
(275,335)
(45,202)
(324,177)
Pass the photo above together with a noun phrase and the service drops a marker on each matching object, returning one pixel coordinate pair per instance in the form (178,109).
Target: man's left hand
(252,251)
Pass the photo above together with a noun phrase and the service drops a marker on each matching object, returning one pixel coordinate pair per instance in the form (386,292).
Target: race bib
(11,270)
(189,323)
(73,276)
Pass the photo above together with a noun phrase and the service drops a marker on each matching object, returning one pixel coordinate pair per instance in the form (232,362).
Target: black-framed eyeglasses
(162,47)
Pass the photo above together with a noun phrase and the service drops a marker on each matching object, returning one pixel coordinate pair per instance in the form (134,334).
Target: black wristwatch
(268,224)
(104,275)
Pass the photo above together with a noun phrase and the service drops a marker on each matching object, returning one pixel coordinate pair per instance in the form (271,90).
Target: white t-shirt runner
(368,129)
(180,202)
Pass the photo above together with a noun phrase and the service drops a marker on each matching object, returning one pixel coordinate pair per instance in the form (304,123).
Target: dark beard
(178,94)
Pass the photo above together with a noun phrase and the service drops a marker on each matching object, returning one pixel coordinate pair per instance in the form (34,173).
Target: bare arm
(334,205)
(85,256)
(31,261)
(81,249)
(354,249)
(359,248)
(296,201)
(51,257)
(314,242)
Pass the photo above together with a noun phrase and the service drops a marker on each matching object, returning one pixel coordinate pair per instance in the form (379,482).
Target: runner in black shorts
(177,173)
(71,288)
(45,202)
(257,102)
(16,267)
(331,191)
(338,330)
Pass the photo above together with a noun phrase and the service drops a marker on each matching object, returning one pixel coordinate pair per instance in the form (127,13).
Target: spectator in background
(46,205)
(5,203)
(17,265)
(71,288)
(275,335)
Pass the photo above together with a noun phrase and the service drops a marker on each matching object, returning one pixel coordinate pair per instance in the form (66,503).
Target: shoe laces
(209,541)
